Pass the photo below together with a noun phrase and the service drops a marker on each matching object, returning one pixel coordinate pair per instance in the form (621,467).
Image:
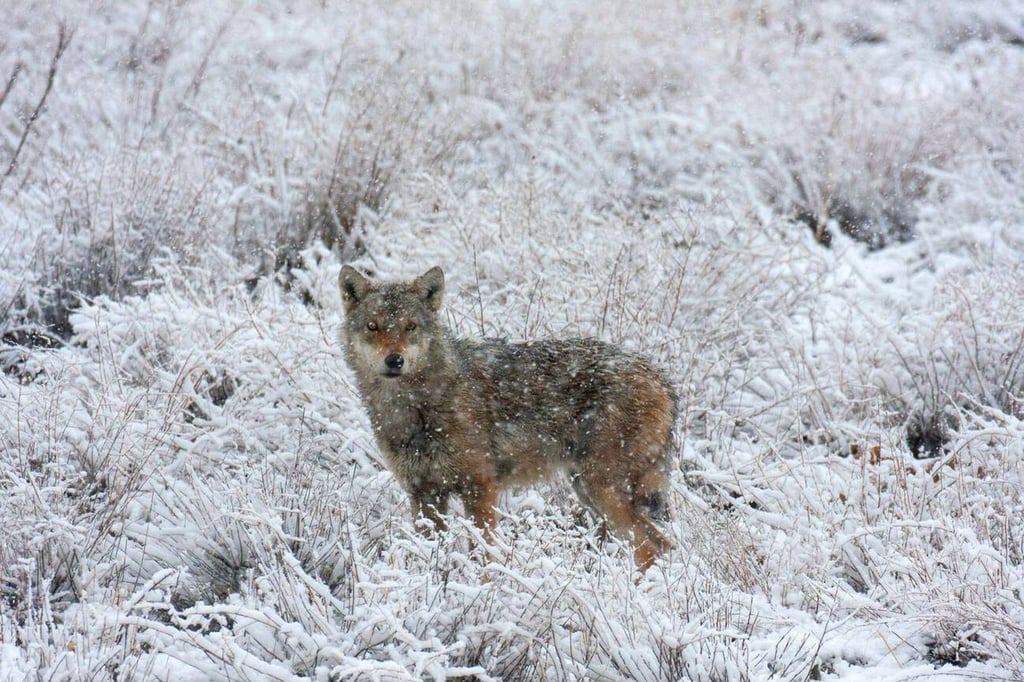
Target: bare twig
(10,81)
(197,77)
(63,40)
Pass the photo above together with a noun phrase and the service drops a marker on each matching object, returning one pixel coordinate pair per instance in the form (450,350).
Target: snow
(190,488)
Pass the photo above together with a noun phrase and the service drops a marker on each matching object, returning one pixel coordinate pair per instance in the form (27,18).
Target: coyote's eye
(410,326)
(372,326)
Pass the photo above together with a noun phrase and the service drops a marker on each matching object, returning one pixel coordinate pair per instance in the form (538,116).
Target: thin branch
(197,77)
(10,82)
(63,40)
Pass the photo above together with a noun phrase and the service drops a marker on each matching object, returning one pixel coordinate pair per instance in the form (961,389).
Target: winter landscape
(810,215)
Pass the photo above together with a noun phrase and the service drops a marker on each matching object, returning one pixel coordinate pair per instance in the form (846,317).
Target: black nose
(394,361)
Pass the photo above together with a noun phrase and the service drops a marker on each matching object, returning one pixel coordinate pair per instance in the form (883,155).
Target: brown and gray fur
(469,418)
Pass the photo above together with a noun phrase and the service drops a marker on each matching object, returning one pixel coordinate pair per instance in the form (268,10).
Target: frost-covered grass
(810,214)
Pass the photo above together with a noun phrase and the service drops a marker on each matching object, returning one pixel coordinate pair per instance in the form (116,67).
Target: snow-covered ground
(811,214)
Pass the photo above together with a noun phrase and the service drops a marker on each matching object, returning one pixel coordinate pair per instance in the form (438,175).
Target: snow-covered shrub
(966,354)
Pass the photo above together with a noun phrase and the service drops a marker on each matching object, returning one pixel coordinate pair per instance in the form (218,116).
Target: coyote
(459,417)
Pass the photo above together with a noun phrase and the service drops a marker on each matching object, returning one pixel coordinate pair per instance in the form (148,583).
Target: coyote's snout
(467,418)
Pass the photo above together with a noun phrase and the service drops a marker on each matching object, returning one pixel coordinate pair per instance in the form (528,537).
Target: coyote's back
(459,417)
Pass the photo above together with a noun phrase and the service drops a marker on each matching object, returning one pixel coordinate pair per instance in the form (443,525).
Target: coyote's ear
(431,286)
(353,286)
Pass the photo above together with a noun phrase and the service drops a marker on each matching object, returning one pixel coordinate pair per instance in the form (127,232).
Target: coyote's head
(389,326)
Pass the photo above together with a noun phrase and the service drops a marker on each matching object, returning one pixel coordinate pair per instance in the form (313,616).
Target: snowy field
(810,214)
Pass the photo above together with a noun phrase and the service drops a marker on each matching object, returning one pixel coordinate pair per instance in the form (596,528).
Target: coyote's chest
(411,431)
